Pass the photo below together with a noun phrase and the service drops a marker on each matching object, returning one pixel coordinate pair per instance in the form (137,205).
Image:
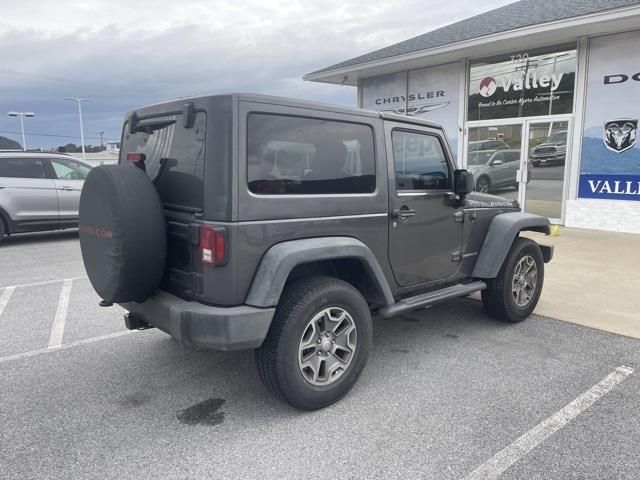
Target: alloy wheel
(327,346)
(525,279)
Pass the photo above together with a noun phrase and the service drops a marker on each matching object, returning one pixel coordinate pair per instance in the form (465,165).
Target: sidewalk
(593,280)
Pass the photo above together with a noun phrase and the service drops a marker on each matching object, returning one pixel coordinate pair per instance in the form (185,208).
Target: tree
(8,144)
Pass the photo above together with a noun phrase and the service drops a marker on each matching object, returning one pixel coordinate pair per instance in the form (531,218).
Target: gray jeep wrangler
(247,221)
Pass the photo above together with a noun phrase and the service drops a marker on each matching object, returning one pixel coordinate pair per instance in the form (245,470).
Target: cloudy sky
(123,54)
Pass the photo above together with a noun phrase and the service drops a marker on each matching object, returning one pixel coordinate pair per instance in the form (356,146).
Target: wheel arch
(341,257)
(503,230)
(6,220)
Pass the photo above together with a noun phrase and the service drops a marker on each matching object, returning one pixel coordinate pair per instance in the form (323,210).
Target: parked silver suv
(39,191)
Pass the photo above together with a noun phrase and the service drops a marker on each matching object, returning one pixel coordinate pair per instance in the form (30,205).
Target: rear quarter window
(22,168)
(295,155)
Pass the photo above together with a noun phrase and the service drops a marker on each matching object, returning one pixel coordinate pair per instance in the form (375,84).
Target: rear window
(294,155)
(174,156)
(22,168)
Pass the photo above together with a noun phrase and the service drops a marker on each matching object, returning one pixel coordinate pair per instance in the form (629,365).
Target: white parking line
(45,282)
(33,353)
(57,329)
(4,298)
(505,458)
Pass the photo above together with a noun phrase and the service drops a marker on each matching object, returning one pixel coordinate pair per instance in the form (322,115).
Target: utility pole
(102,141)
(21,116)
(79,101)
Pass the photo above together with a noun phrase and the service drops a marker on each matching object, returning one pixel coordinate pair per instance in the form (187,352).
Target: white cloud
(123,54)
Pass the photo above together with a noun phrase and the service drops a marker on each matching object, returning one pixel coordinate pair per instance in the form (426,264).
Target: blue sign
(613,187)
(610,163)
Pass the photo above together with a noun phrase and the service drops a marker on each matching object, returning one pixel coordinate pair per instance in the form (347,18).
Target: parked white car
(39,191)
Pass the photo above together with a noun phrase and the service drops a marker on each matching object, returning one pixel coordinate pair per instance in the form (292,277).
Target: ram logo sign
(620,135)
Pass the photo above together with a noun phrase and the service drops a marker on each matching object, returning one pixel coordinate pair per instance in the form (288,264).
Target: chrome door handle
(65,188)
(403,213)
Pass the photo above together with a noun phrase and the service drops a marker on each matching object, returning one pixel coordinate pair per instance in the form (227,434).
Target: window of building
(420,162)
(22,168)
(523,84)
(293,155)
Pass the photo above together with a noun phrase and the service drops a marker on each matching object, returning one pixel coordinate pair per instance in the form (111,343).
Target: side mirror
(497,162)
(462,183)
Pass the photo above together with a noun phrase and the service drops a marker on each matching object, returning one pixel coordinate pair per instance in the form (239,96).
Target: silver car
(496,170)
(39,191)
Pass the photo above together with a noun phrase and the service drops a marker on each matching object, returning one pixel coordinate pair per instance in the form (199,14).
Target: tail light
(212,246)
(136,157)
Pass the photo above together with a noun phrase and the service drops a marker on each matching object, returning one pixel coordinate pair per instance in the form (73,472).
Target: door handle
(65,188)
(403,212)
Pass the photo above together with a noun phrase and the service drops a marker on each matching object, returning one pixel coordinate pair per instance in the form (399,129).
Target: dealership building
(539,98)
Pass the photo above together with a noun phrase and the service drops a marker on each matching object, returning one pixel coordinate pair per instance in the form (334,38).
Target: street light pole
(21,116)
(79,101)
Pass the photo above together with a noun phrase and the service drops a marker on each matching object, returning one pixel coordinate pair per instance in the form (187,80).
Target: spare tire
(123,234)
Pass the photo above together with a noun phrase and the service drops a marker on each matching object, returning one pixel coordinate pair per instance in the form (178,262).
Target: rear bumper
(195,324)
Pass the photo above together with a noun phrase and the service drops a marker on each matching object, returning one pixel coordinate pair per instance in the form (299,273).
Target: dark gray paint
(501,234)
(269,235)
(282,258)
(204,326)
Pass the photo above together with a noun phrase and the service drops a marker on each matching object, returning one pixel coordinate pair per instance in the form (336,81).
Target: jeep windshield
(173,155)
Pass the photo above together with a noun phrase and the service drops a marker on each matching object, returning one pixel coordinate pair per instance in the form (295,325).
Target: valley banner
(610,163)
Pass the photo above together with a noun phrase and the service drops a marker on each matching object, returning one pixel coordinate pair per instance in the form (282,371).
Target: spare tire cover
(122,233)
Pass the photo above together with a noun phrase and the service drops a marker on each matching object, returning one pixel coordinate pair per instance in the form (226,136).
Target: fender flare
(278,262)
(502,231)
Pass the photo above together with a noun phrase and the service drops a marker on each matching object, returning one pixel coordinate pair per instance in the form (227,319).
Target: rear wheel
(3,229)
(318,343)
(514,293)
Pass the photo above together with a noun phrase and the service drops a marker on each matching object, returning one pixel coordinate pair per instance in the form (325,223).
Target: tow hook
(133,322)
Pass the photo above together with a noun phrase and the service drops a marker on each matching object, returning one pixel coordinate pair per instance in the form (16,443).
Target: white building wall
(611,215)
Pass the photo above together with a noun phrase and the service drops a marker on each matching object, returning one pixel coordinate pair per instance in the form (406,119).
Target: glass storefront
(493,157)
(523,84)
(510,152)
(547,153)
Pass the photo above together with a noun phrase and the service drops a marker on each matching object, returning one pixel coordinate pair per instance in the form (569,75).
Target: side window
(293,155)
(420,162)
(69,170)
(513,156)
(22,168)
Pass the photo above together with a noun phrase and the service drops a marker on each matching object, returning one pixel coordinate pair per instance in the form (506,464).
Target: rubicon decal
(489,85)
(95,231)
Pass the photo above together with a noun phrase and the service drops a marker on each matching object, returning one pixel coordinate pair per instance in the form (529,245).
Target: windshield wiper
(151,126)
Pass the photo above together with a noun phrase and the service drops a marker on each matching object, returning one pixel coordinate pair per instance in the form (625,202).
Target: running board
(425,300)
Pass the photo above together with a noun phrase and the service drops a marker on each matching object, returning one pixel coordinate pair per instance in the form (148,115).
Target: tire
(498,298)
(123,235)
(280,358)
(3,229)
(483,185)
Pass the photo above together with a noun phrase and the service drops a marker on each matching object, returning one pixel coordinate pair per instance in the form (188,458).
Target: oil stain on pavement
(203,413)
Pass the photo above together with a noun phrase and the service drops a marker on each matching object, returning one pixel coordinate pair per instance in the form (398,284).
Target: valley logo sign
(489,85)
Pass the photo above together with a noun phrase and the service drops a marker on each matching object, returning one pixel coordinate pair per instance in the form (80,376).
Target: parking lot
(448,393)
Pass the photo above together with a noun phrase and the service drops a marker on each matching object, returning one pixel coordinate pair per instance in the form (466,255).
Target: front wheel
(514,293)
(483,185)
(318,343)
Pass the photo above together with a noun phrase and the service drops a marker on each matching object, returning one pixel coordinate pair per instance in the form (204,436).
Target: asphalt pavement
(448,394)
